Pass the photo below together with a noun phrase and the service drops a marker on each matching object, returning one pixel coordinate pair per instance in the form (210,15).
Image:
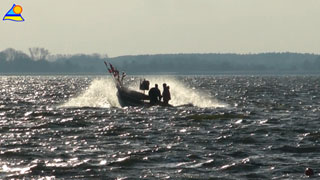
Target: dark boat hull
(129,97)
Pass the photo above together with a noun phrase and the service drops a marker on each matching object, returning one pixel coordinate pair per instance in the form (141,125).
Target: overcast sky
(129,27)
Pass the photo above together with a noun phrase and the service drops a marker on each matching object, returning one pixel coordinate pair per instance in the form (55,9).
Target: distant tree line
(40,61)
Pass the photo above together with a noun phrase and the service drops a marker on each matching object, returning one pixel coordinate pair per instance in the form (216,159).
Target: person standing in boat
(154,95)
(166,94)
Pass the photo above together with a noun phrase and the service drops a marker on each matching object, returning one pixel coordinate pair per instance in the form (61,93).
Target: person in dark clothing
(166,94)
(164,85)
(154,95)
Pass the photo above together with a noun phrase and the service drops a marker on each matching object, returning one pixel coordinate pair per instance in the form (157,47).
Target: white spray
(100,93)
(181,94)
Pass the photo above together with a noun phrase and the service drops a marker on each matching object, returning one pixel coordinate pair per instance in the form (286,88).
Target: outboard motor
(144,85)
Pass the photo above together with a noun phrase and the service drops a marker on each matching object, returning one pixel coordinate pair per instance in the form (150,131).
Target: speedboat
(129,97)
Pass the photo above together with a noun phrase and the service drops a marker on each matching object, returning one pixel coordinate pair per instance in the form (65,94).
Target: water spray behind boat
(181,94)
(100,93)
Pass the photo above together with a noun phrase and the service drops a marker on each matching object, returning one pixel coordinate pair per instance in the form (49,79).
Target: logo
(14,14)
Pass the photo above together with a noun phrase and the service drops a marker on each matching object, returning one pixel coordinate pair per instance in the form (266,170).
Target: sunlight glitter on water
(272,133)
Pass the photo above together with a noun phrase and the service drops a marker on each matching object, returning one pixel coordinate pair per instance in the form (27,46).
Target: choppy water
(239,127)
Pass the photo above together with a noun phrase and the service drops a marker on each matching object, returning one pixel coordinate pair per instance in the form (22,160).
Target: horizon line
(176,53)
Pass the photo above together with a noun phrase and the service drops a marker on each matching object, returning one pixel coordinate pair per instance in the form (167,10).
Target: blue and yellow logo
(14,14)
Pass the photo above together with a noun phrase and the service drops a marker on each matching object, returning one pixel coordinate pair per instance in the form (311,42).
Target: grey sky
(123,27)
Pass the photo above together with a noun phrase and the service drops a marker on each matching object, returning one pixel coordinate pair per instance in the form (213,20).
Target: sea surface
(222,127)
